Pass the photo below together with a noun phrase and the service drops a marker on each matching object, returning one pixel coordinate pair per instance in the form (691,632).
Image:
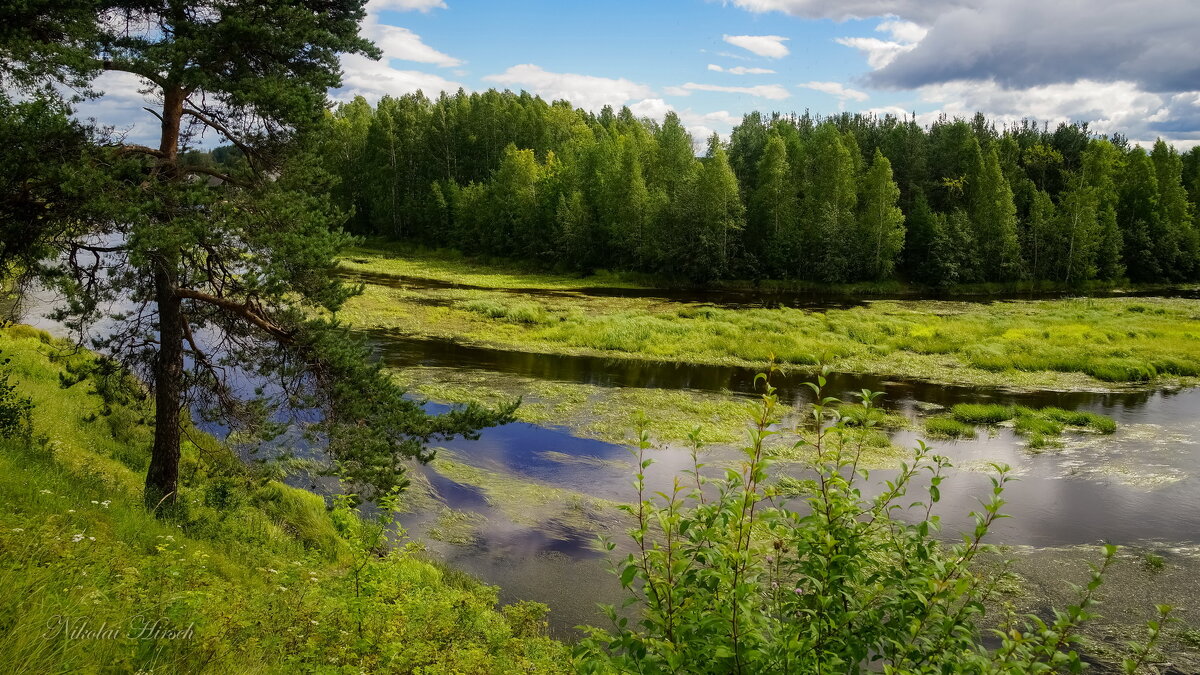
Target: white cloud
(769,91)
(699,125)
(905,36)
(584,91)
(406,5)
(740,70)
(840,10)
(879,52)
(401,43)
(375,79)
(770,46)
(836,89)
(903,31)
(1109,107)
(654,108)
(121,107)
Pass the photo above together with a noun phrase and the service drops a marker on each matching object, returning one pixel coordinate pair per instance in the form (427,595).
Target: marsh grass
(948,428)
(1041,426)
(1072,342)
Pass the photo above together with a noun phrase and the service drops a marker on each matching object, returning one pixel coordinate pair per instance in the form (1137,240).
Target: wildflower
(281,589)
(91,539)
(18,529)
(272,571)
(798,591)
(77,538)
(46,492)
(95,502)
(70,510)
(105,503)
(313,622)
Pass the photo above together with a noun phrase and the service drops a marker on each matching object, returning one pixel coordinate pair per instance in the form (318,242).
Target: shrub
(735,580)
(15,410)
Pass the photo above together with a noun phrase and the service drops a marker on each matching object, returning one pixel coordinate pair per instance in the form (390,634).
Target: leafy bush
(740,579)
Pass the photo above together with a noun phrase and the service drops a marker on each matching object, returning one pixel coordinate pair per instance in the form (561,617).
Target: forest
(837,199)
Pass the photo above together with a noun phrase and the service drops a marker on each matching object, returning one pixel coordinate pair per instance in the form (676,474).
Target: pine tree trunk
(162,478)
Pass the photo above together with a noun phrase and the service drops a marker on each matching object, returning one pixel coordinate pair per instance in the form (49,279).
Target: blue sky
(1126,66)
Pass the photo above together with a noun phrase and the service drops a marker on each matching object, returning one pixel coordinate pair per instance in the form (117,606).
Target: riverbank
(398,259)
(1095,344)
(249,576)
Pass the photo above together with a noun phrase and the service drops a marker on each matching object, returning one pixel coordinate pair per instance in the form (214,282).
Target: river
(1137,486)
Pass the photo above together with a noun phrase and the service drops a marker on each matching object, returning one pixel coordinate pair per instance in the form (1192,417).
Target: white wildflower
(77,538)
(18,529)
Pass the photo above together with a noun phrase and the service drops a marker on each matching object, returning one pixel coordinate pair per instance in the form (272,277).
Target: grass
(948,428)
(401,260)
(1068,344)
(1040,426)
(266,577)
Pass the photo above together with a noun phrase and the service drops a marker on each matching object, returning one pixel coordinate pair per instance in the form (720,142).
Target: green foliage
(737,579)
(1039,426)
(982,413)
(841,198)
(253,575)
(237,246)
(15,409)
(948,427)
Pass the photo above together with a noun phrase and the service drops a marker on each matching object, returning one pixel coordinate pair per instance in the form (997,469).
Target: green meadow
(1085,343)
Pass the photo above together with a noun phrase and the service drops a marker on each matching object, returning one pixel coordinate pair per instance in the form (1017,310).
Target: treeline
(836,199)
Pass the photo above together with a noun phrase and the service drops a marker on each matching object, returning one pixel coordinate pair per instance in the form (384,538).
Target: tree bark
(162,478)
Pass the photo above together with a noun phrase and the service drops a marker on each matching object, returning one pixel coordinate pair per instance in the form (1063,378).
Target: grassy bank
(408,260)
(1063,344)
(248,576)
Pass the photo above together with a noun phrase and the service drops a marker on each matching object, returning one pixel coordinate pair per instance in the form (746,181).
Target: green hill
(248,575)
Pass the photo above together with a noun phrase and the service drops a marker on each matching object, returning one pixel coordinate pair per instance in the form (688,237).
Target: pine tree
(831,203)
(719,216)
(881,223)
(1080,231)
(1138,216)
(1177,245)
(244,252)
(774,212)
(1101,166)
(1042,237)
(994,220)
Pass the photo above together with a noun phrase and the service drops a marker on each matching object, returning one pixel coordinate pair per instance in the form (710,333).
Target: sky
(1127,66)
